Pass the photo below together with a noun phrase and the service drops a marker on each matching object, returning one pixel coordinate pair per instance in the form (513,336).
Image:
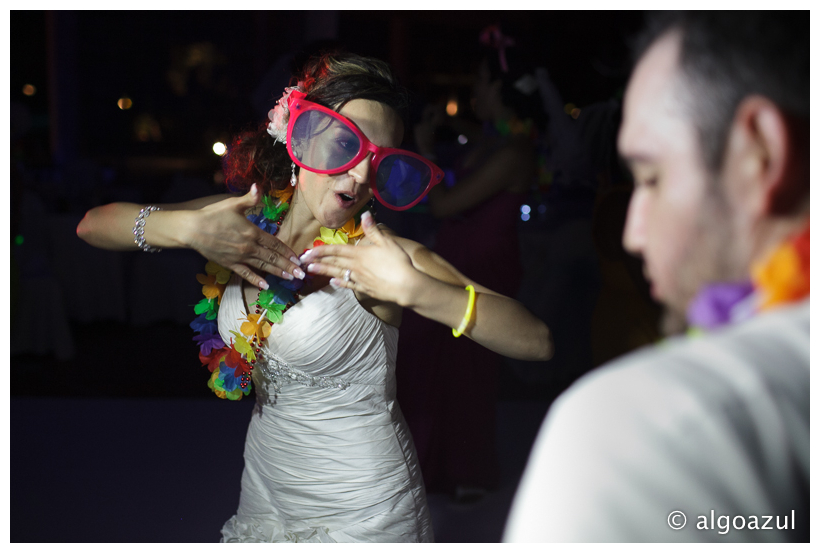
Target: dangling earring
(371,206)
(292,174)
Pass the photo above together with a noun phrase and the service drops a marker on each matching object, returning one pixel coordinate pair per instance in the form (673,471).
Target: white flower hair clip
(278,116)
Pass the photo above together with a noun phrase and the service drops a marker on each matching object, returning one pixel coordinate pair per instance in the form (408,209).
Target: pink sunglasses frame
(297,105)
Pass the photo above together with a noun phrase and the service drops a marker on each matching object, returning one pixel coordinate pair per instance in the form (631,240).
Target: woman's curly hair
(331,80)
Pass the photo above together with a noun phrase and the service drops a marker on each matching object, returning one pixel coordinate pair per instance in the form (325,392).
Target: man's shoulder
(718,423)
(767,354)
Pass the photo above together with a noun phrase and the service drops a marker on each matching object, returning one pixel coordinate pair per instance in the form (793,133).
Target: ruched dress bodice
(328,456)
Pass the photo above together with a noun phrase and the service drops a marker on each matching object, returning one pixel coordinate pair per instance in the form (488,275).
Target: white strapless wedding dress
(328,456)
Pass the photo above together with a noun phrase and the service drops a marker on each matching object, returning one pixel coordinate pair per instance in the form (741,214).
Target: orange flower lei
(784,276)
(781,277)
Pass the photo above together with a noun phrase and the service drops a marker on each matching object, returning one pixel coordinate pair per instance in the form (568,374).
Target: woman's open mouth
(345,200)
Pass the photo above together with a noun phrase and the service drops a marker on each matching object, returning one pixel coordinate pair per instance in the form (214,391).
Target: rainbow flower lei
(782,277)
(231,364)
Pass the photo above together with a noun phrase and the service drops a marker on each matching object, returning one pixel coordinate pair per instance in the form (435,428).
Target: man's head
(715,130)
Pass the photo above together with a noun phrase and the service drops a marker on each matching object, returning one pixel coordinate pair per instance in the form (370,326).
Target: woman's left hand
(381,269)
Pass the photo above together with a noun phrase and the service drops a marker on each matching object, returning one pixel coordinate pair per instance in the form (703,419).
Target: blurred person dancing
(449,388)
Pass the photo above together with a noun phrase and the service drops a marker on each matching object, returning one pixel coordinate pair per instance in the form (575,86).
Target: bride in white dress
(328,456)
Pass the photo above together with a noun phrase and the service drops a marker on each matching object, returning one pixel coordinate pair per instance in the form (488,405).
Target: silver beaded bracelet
(139,229)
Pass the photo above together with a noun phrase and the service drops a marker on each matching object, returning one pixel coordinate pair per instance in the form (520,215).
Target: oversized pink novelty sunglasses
(322,141)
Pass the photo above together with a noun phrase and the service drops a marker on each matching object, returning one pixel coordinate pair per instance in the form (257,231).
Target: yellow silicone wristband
(468,315)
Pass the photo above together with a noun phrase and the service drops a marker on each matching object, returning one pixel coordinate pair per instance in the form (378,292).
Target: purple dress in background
(447,386)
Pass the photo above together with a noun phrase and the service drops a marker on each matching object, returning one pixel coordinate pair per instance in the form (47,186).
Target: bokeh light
(452,107)
(462,139)
(29,89)
(219,148)
(568,108)
(575,113)
(125,103)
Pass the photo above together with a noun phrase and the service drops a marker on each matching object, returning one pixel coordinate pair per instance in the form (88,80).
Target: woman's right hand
(224,235)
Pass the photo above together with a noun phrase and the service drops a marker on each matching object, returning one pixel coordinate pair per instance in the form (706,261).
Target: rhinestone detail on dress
(279,372)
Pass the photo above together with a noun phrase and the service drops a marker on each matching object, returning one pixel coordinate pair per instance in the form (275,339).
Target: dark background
(113,430)
(194,73)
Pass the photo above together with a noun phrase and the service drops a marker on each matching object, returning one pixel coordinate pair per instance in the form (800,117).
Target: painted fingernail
(311,268)
(299,273)
(335,282)
(263,284)
(304,255)
(296,260)
(286,275)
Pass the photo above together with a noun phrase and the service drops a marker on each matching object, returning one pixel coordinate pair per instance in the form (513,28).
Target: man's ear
(763,153)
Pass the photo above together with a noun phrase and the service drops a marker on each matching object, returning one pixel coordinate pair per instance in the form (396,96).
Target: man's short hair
(727,56)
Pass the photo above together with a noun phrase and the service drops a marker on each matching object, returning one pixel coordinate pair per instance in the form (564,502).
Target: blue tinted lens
(401,179)
(322,142)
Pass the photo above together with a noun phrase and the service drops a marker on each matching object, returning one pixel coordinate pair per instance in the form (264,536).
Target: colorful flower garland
(231,365)
(783,277)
